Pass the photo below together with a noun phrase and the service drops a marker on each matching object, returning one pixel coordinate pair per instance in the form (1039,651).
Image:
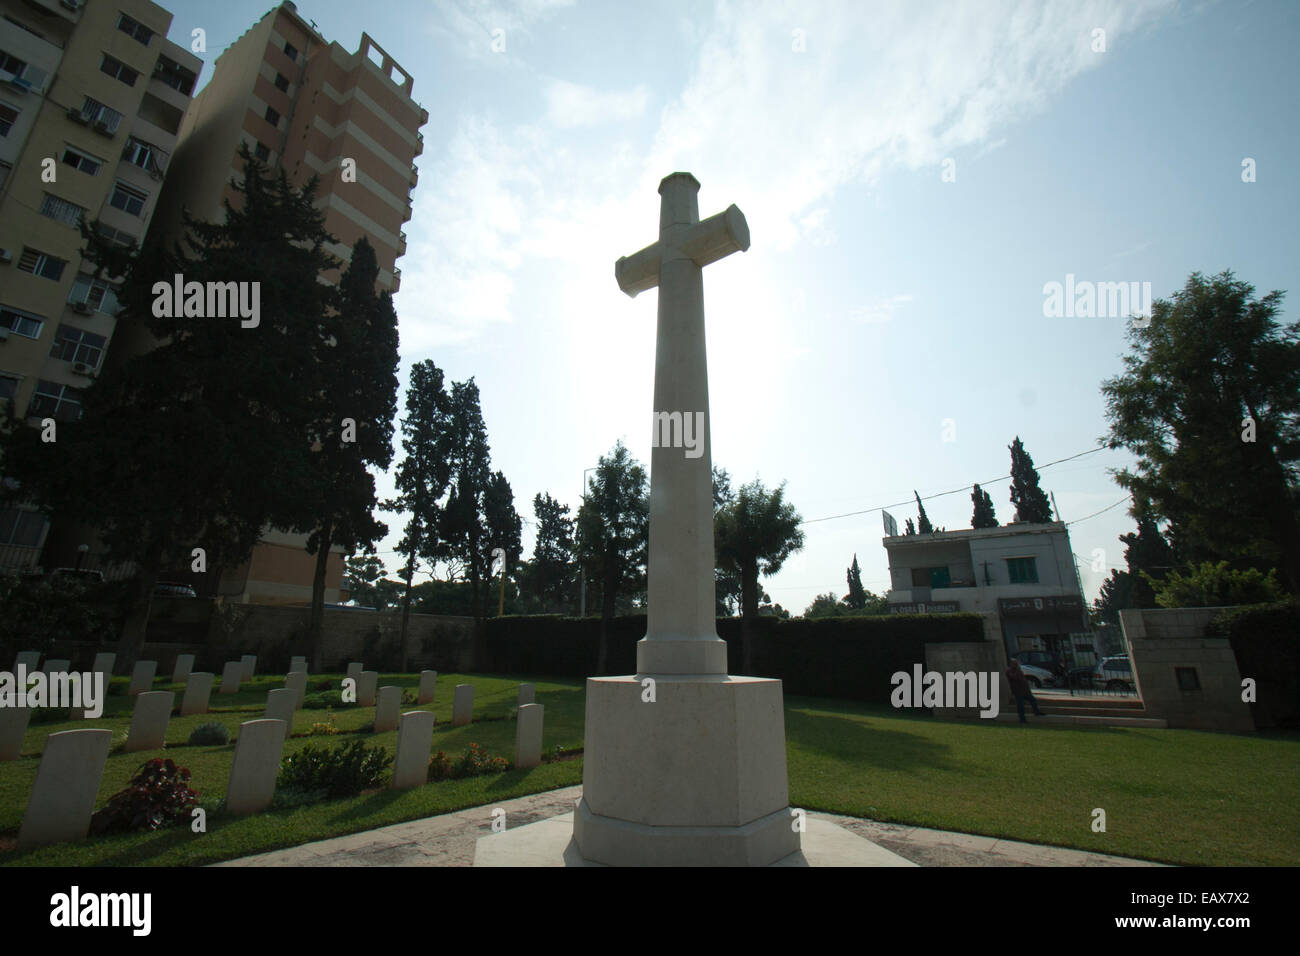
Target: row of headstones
(72,764)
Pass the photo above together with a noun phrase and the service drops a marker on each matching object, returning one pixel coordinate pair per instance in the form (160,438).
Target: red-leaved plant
(158,796)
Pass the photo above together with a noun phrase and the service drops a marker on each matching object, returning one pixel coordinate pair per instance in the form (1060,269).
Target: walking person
(1019,684)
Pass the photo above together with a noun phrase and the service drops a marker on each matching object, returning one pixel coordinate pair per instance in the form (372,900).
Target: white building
(1023,573)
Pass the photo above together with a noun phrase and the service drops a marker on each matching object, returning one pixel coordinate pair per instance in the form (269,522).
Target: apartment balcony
(401,244)
(419,143)
(415,175)
(168,94)
(397,279)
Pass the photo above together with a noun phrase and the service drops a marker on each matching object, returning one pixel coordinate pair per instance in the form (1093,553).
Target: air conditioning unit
(81,368)
(6,255)
(102,127)
(4,333)
(81,308)
(77,116)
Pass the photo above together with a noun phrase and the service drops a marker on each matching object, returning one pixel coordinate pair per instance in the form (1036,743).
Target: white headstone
(28,659)
(231,675)
(198,691)
(528,736)
(527,694)
(142,677)
(13,727)
(428,687)
(58,665)
(708,752)
(153,710)
(462,705)
(104,661)
(387,709)
(414,741)
(184,667)
(296,681)
(354,670)
(280,705)
(67,782)
(367,687)
(256,765)
(297,664)
(249,661)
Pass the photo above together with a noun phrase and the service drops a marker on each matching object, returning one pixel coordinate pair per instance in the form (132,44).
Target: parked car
(1038,676)
(85,574)
(172,589)
(1114,673)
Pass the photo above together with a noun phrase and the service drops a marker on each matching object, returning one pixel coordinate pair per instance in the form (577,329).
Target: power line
(955,491)
(1102,511)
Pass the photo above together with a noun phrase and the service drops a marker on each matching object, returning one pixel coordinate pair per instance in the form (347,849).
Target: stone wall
(1166,642)
(979,657)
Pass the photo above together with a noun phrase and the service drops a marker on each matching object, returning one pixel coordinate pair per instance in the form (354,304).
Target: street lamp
(582,573)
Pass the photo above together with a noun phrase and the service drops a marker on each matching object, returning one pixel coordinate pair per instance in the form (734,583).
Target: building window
(273,116)
(136,31)
(1187,678)
(261,152)
(52,400)
(8,116)
(21,528)
(127,199)
(931,577)
(116,236)
(282,82)
(290,51)
(11,65)
(99,115)
(41,264)
(68,213)
(172,74)
(21,323)
(118,70)
(1022,570)
(83,161)
(76,345)
(145,155)
(98,294)
(8,386)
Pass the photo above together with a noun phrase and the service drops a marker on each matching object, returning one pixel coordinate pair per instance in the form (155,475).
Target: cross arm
(711,239)
(639,271)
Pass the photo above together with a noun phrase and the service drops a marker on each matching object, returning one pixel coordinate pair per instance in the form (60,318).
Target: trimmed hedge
(848,657)
(1266,641)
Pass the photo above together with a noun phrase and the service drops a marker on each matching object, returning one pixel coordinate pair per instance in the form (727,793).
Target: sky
(914,176)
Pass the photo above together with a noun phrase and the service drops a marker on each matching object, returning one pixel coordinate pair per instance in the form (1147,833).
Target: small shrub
(211,734)
(325,700)
(324,727)
(158,796)
(410,697)
(287,798)
(340,771)
(49,715)
(323,684)
(474,762)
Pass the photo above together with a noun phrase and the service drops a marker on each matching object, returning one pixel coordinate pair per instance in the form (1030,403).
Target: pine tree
(923,522)
(1030,501)
(909,528)
(857,596)
(983,516)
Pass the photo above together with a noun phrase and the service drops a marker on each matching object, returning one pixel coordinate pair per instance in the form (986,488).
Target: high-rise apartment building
(92,99)
(305,105)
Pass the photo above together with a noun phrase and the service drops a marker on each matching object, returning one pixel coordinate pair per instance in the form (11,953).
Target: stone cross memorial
(684,764)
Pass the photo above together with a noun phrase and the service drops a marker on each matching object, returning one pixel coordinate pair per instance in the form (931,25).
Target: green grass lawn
(1176,796)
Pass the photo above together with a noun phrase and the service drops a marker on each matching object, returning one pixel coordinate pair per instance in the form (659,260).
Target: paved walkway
(448,840)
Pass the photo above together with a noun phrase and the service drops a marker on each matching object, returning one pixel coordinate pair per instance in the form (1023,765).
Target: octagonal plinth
(696,777)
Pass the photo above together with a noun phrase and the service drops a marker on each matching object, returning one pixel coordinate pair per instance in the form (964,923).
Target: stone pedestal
(695,778)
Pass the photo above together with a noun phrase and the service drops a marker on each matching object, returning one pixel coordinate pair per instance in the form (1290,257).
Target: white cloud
(882,310)
(569,105)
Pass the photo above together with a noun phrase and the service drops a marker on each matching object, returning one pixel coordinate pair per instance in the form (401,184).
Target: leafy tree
(502,529)
(1030,500)
(613,534)
(199,441)
(423,476)
(857,596)
(755,534)
(1216,585)
(923,521)
(909,528)
(1209,402)
(353,426)
(825,605)
(726,582)
(983,516)
(364,578)
(551,575)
